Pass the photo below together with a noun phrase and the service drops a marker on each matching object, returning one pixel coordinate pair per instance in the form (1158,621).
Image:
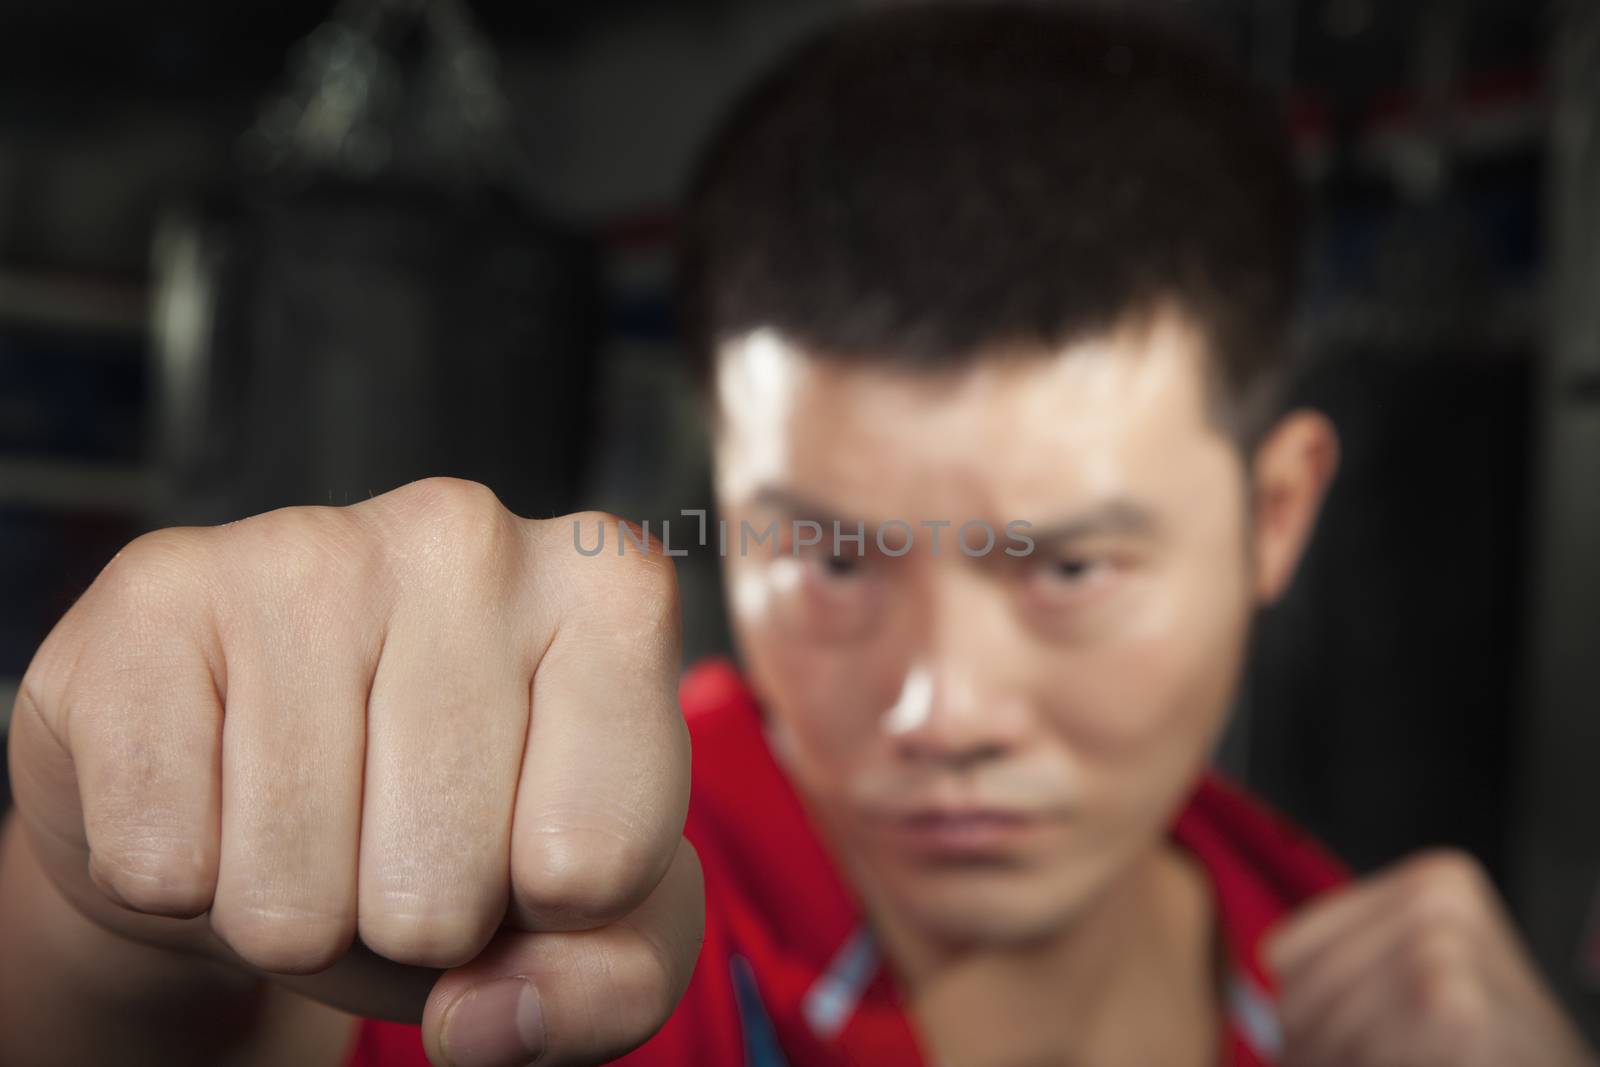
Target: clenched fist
(1418,967)
(325,742)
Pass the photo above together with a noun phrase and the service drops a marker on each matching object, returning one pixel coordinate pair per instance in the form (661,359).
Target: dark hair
(921,186)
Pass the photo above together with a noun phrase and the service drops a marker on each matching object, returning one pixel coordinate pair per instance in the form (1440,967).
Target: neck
(1130,980)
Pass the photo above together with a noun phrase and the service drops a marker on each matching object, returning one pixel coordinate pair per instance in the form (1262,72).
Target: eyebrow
(799,506)
(1119,515)
(1116,516)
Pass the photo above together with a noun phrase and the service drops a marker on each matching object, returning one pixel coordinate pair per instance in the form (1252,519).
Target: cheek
(1139,725)
(1147,698)
(825,700)
(1161,694)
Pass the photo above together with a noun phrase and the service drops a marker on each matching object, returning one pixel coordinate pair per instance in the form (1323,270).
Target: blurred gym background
(256,254)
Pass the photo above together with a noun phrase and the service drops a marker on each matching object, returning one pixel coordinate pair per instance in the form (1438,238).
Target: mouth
(962,833)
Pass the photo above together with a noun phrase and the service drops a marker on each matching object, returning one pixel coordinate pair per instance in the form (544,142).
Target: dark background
(202,317)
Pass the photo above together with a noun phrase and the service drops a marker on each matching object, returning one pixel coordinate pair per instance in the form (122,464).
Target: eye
(1074,570)
(1082,593)
(1075,581)
(840,567)
(824,596)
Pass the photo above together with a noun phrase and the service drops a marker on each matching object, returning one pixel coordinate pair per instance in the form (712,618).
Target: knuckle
(457,538)
(569,880)
(605,543)
(127,632)
(425,932)
(454,513)
(627,580)
(1446,1005)
(630,552)
(1433,951)
(310,548)
(1447,884)
(153,568)
(1448,869)
(154,874)
(282,938)
(647,587)
(449,496)
(655,585)
(296,574)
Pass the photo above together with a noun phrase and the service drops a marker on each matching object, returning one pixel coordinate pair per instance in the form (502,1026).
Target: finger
(573,997)
(1349,1021)
(1348,1012)
(142,721)
(1313,981)
(365,984)
(447,724)
(1422,992)
(299,659)
(1309,933)
(605,780)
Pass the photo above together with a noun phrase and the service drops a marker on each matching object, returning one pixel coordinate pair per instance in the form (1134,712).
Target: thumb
(572,997)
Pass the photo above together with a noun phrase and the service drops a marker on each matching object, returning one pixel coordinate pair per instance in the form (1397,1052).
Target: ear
(1290,473)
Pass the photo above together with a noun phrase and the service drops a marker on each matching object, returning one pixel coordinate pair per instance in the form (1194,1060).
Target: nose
(962,702)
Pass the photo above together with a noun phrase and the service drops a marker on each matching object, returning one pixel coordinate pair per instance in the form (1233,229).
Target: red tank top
(789,975)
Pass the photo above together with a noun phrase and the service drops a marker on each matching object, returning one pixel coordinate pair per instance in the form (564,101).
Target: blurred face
(987,738)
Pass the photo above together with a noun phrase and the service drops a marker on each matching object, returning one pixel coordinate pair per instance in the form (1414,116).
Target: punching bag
(377,299)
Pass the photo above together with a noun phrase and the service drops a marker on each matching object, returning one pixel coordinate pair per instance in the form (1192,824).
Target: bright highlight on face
(988,739)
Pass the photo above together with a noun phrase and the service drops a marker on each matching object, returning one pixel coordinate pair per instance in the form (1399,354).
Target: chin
(987,907)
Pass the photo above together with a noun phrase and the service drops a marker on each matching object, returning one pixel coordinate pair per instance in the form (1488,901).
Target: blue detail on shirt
(761,1048)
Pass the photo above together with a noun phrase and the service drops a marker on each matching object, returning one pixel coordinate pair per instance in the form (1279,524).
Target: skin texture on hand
(336,745)
(1418,966)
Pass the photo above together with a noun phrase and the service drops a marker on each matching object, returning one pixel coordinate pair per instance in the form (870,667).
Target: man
(994,303)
